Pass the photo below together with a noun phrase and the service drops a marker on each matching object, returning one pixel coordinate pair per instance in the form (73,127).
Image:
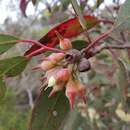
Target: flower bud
(51,61)
(63,75)
(65,43)
(75,89)
(47,65)
(57,78)
(56,57)
(51,82)
(59,74)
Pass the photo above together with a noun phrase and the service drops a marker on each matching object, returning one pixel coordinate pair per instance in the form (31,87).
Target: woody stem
(98,39)
(80,18)
(43,48)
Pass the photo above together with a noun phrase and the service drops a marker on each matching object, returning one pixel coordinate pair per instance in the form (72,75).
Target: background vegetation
(107,82)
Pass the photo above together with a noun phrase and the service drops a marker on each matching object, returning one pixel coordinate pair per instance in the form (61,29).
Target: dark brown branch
(117,47)
(93,51)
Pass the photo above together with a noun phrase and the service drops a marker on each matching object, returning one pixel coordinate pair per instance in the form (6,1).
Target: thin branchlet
(43,47)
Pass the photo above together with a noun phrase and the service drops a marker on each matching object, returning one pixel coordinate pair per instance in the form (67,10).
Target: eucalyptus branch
(31,42)
(98,39)
(80,17)
(126,46)
(41,49)
(103,47)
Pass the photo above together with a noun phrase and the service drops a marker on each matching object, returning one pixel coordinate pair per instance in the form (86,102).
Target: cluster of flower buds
(61,77)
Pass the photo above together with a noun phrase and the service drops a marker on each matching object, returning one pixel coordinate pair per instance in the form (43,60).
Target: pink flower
(57,78)
(50,61)
(75,88)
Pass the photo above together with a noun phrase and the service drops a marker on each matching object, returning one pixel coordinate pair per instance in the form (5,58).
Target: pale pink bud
(75,88)
(47,65)
(56,57)
(59,80)
(63,75)
(51,61)
(60,74)
(65,43)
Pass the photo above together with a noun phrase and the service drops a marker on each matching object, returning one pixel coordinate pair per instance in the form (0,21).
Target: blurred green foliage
(108,104)
(10,117)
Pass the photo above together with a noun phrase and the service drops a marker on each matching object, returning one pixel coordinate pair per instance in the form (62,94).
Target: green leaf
(79,44)
(124,11)
(123,83)
(49,113)
(123,20)
(6,42)
(74,120)
(2,89)
(13,66)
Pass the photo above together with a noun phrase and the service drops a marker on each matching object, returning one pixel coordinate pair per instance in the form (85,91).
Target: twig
(101,48)
(117,47)
(43,48)
(80,17)
(110,11)
(31,41)
(98,39)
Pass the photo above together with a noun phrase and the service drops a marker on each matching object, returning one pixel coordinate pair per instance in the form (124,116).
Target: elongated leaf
(123,20)
(124,11)
(123,83)
(13,66)
(49,113)
(67,29)
(6,42)
(74,121)
(2,89)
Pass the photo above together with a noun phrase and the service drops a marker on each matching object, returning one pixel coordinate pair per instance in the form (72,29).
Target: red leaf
(67,29)
(23,6)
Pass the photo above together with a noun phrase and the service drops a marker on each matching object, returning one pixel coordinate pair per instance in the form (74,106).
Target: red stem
(96,41)
(43,47)
(31,41)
